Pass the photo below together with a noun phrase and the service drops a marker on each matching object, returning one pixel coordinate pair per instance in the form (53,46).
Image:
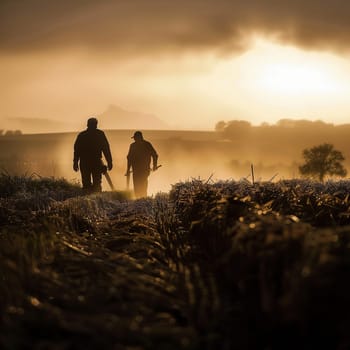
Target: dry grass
(207,266)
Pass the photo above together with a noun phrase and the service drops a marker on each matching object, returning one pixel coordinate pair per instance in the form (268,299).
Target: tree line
(10,132)
(319,161)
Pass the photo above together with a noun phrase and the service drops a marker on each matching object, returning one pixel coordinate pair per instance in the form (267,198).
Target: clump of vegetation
(18,186)
(209,265)
(276,273)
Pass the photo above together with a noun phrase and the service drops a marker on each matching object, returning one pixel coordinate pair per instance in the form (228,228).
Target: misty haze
(226,153)
(220,216)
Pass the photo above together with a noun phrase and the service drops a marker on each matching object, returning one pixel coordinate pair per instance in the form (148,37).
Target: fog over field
(275,151)
(184,65)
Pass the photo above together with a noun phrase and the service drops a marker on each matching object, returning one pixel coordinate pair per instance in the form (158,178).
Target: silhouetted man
(139,160)
(88,149)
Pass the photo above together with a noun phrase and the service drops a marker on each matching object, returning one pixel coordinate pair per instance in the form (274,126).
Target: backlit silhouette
(139,160)
(323,160)
(88,149)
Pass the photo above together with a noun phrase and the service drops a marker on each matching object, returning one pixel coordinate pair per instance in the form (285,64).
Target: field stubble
(208,266)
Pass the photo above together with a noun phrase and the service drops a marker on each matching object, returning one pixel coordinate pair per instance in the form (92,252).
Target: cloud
(139,26)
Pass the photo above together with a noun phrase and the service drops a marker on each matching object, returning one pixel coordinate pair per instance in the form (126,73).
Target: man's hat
(137,134)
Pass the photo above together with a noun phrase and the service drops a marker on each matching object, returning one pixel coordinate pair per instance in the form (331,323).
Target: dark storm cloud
(141,25)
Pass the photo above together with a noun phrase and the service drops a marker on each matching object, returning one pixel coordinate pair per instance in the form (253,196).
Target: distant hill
(116,117)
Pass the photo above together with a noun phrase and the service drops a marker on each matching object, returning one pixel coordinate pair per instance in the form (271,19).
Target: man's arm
(128,159)
(154,156)
(76,154)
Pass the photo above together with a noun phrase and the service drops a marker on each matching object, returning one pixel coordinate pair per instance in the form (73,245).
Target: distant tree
(322,160)
(236,127)
(220,126)
(286,123)
(303,123)
(13,132)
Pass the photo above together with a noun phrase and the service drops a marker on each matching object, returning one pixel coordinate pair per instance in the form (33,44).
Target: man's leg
(135,181)
(85,176)
(140,184)
(144,185)
(97,179)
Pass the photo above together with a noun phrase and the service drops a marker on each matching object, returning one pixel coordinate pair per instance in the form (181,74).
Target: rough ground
(208,266)
(103,281)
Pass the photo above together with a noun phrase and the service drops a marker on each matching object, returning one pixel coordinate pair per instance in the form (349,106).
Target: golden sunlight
(289,78)
(272,81)
(291,72)
(266,83)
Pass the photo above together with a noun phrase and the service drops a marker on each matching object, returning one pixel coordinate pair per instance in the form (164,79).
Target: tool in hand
(108,178)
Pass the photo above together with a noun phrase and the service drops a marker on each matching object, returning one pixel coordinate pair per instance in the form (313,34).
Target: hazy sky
(192,63)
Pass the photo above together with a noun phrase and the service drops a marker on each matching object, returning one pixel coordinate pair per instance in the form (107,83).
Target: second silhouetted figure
(139,160)
(88,149)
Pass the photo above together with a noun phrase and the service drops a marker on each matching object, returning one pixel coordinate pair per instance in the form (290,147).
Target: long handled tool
(108,178)
(156,168)
(128,180)
(128,177)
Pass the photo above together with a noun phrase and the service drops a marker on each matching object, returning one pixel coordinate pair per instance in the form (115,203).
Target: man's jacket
(90,145)
(140,154)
